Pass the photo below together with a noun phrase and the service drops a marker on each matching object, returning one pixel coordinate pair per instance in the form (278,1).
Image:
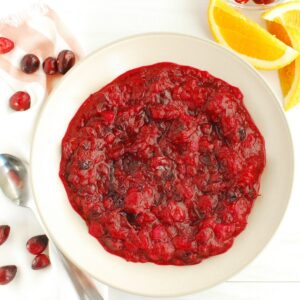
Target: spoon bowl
(13,179)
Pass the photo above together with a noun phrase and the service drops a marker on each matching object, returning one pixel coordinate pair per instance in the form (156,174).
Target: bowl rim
(250,69)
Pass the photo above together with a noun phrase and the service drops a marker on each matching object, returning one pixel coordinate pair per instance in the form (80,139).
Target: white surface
(275,274)
(103,66)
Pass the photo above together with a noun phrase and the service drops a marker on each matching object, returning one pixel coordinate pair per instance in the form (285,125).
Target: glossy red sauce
(163,164)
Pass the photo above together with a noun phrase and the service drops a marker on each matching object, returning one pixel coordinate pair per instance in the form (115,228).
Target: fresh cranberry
(30,63)
(20,101)
(40,261)
(7,274)
(50,66)
(6,45)
(37,244)
(4,233)
(65,61)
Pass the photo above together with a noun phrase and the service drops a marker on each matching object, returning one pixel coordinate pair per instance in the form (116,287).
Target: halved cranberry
(20,101)
(242,1)
(6,45)
(4,233)
(7,274)
(40,261)
(50,66)
(30,63)
(65,61)
(37,244)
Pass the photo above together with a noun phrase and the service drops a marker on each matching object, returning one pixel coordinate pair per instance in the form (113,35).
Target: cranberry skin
(65,61)
(30,63)
(6,45)
(7,274)
(50,66)
(20,101)
(4,233)
(41,261)
(37,244)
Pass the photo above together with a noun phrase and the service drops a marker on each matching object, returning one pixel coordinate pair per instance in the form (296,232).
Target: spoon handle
(84,286)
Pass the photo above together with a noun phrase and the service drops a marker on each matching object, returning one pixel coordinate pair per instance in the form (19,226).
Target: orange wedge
(251,41)
(284,22)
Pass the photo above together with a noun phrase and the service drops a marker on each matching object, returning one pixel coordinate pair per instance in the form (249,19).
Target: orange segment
(284,22)
(287,73)
(241,34)
(279,31)
(286,76)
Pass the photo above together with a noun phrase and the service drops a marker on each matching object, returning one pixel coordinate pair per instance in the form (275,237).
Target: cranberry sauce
(163,164)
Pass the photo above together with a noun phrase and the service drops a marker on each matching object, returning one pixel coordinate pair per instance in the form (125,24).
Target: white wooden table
(275,274)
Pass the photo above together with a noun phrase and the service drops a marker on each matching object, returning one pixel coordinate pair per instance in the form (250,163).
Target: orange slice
(284,22)
(251,41)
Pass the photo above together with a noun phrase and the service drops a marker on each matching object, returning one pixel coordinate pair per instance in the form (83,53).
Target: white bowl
(69,231)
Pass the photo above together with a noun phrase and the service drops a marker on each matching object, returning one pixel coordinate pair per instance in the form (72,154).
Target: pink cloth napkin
(40,31)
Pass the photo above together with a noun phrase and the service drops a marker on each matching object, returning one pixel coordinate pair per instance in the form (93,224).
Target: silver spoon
(14,184)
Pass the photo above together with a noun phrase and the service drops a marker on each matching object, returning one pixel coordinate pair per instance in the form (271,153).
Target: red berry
(65,61)
(50,66)
(7,274)
(30,63)
(6,45)
(4,233)
(37,244)
(40,261)
(20,101)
